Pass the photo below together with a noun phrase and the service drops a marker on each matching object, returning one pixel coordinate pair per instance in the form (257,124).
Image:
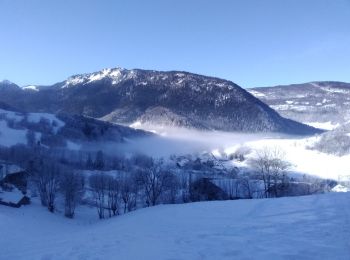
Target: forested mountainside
(314,102)
(154,97)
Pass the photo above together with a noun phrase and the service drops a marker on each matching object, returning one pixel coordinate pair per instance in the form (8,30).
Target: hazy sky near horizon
(252,43)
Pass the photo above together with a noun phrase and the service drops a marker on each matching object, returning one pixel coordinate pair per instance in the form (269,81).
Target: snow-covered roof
(11,196)
(340,188)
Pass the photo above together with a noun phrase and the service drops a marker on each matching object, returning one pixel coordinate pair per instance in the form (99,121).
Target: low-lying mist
(170,140)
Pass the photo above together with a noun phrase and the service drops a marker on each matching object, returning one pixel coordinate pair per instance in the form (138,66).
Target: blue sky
(253,43)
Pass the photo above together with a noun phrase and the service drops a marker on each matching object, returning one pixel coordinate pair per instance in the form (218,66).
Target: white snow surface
(13,196)
(340,188)
(115,74)
(32,117)
(17,117)
(310,227)
(31,87)
(256,93)
(36,117)
(10,137)
(323,125)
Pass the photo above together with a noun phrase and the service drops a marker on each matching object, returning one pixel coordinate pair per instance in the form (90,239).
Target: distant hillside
(324,104)
(336,141)
(155,97)
(60,131)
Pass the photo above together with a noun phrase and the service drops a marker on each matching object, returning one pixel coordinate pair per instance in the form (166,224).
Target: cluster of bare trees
(106,191)
(271,168)
(148,185)
(148,182)
(52,179)
(155,182)
(142,181)
(243,186)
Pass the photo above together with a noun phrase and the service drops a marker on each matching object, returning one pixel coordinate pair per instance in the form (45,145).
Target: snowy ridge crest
(116,75)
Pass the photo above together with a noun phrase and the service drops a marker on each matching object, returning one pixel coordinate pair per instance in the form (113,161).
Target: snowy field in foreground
(311,227)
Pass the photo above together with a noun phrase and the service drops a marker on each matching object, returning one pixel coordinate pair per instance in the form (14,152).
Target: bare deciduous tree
(185,186)
(98,184)
(271,167)
(129,191)
(113,190)
(154,180)
(72,188)
(99,163)
(46,178)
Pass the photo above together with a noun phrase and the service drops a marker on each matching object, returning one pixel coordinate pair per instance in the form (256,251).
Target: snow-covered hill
(320,104)
(60,131)
(310,227)
(336,141)
(156,97)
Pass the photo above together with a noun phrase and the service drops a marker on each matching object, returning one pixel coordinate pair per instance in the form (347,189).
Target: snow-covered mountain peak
(114,74)
(30,87)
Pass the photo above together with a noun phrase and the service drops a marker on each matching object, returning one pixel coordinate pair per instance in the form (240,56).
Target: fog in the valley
(168,141)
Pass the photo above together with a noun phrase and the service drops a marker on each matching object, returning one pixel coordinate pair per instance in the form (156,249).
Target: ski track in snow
(310,227)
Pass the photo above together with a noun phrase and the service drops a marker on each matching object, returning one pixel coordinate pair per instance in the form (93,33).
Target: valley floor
(310,227)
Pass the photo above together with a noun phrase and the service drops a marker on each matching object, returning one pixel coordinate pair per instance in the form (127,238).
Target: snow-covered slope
(310,227)
(13,125)
(335,142)
(61,131)
(320,104)
(116,75)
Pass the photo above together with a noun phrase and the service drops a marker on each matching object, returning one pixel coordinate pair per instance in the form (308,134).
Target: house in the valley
(13,185)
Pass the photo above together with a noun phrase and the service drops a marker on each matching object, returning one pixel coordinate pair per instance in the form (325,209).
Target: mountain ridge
(317,101)
(175,98)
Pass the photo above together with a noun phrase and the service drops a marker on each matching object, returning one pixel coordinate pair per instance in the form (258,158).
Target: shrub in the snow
(46,177)
(98,184)
(72,189)
(128,191)
(185,180)
(113,192)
